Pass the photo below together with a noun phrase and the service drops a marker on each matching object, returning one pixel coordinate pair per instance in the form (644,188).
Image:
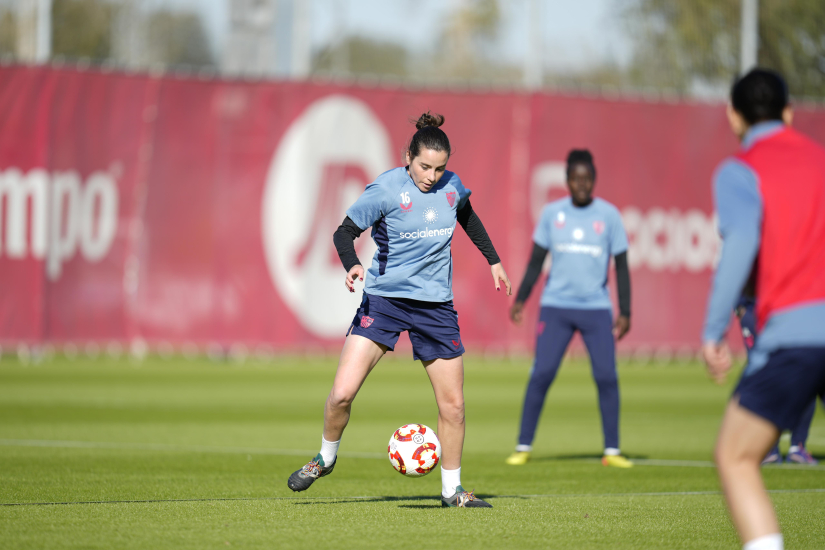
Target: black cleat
(464,499)
(306,476)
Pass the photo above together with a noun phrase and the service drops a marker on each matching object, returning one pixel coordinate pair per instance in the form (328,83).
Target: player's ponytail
(580,156)
(429,136)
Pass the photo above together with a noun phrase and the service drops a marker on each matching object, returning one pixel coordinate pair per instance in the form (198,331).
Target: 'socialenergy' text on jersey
(413,231)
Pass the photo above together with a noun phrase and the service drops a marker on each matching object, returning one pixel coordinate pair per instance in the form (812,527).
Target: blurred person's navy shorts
(781,390)
(432,326)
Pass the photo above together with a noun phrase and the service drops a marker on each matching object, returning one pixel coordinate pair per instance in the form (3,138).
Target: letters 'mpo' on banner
(164,210)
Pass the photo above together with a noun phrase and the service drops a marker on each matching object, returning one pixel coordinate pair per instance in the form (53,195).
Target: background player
(413,211)
(797,453)
(581,233)
(781,228)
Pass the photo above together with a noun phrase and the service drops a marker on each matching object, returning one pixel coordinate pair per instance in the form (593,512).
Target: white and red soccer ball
(414,450)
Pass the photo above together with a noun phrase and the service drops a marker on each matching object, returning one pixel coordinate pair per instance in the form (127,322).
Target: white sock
(329,450)
(450,479)
(524,448)
(793,449)
(611,451)
(768,542)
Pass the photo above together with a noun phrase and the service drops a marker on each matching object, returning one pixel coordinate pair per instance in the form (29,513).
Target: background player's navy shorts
(432,326)
(782,389)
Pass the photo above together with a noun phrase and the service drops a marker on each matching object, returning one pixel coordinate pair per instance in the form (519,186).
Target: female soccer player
(412,211)
(581,233)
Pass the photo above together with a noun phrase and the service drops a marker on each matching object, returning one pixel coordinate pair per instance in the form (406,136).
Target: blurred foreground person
(581,233)
(797,453)
(413,211)
(770,199)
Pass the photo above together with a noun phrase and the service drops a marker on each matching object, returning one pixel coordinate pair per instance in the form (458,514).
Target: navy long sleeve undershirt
(348,231)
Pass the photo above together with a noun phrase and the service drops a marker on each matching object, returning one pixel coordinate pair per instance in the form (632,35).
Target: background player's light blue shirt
(413,231)
(581,242)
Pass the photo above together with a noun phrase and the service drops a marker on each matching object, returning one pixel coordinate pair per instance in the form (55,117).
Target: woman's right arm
(344,241)
(529,280)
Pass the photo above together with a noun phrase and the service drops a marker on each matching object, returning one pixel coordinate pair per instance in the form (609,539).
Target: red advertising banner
(178,213)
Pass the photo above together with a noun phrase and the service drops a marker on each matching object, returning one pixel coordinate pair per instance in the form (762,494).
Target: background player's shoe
(773,457)
(306,476)
(464,499)
(801,456)
(518,458)
(616,461)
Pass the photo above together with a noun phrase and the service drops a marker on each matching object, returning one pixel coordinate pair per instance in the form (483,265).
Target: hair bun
(429,120)
(579,155)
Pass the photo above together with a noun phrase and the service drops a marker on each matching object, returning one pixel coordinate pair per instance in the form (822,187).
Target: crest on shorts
(451,197)
(366,321)
(598,227)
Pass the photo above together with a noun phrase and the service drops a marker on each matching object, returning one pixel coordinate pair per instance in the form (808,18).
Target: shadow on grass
(436,501)
(345,500)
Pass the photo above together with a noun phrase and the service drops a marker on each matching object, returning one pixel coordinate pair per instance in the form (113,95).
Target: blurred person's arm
(622,324)
(530,277)
(739,207)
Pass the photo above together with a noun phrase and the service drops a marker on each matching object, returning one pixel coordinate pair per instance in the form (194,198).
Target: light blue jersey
(581,241)
(413,231)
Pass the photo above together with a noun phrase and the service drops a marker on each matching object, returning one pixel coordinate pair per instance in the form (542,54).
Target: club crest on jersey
(366,321)
(451,197)
(598,227)
(560,220)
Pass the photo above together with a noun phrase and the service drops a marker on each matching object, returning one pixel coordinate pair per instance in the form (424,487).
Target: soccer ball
(414,450)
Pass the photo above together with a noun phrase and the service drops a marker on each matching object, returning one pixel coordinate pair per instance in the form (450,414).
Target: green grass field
(195,454)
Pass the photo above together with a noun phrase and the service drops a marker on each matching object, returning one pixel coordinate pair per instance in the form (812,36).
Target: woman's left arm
(472,225)
(622,324)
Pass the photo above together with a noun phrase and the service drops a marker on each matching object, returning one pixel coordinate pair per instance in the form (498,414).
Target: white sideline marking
(298,452)
(174,448)
(396,499)
(702,464)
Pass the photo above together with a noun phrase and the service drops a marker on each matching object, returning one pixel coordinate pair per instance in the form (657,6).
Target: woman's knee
(729,455)
(341,398)
(607,383)
(542,376)
(452,409)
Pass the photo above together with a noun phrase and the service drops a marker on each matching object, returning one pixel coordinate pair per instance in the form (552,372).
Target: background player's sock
(450,479)
(611,451)
(793,449)
(768,542)
(329,450)
(524,448)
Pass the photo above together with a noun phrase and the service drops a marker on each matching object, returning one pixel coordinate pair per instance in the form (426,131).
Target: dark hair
(760,95)
(429,135)
(580,156)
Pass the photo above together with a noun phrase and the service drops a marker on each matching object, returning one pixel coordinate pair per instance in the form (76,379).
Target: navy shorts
(781,390)
(432,326)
